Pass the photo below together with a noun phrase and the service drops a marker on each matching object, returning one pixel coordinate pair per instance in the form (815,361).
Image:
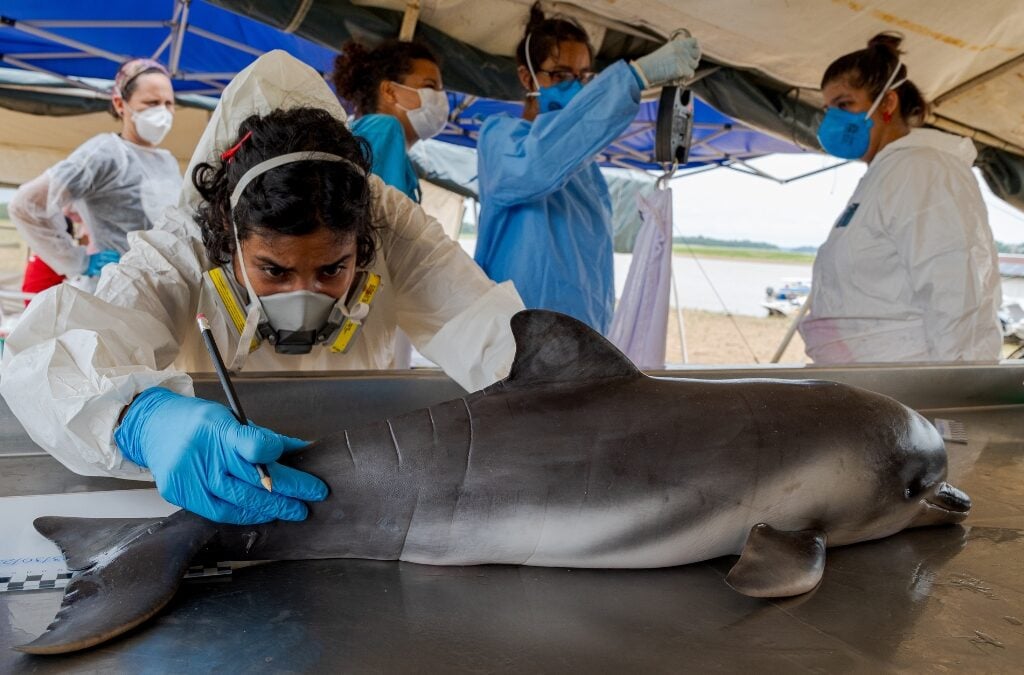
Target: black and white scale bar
(51,580)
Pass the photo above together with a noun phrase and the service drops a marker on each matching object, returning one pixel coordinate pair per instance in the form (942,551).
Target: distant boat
(1011,265)
(788,298)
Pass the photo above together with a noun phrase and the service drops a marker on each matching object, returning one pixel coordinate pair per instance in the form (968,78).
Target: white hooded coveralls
(910,271)
(75,360)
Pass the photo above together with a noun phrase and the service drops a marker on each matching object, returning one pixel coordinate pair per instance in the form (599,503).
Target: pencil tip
(267,483)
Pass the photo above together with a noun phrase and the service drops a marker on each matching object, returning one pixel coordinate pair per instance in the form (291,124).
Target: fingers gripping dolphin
(576,459)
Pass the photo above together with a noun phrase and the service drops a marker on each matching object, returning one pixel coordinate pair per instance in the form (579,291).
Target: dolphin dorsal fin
(553,347)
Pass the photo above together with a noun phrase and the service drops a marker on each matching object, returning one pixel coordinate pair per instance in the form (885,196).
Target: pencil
(229,388)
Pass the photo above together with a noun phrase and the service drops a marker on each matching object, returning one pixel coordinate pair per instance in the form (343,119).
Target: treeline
(1009,248)
(739,243)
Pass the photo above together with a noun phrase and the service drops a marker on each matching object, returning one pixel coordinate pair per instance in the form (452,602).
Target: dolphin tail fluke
(127,569)
(777,564)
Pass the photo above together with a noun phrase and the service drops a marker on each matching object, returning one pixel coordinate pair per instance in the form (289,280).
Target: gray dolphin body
(576,459)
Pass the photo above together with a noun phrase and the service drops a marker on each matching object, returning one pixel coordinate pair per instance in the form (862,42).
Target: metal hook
(663,179)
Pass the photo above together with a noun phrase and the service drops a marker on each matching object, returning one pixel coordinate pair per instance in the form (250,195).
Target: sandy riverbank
(714,338)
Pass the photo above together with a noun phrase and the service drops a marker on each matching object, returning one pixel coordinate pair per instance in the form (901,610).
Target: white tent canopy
(967,57)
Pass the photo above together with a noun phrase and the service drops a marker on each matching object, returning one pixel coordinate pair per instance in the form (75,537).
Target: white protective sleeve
(39,218)
(451,311)
(75,360)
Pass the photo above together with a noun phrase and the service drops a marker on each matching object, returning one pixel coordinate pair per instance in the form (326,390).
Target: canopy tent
(204,45)
(762,60)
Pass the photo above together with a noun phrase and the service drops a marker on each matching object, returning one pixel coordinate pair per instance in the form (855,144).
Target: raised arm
(521,161)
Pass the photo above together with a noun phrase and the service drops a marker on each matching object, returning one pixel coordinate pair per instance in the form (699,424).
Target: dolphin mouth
(949,501)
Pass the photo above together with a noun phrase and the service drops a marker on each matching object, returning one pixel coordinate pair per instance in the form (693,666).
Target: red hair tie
(229,154)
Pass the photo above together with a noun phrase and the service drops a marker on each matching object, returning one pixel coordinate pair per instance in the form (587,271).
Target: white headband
(281,160)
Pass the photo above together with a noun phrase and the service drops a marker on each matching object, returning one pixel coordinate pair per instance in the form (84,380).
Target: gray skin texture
(576,459)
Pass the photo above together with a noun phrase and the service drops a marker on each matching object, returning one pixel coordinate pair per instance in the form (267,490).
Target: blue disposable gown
(390,158)
(546,217)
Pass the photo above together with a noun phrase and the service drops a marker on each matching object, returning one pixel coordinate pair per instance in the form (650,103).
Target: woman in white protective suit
(909,271)
(118,183)
(300,258)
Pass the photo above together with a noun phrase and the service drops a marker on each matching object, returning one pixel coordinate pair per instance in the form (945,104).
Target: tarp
(967,58)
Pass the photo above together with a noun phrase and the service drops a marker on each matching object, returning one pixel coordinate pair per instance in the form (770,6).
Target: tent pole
(75,83)
(409,21)
(61,40)
(792,329)
(179,36)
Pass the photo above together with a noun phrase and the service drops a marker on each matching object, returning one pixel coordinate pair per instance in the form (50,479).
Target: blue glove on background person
(202,460)
(675,60)
(99,260)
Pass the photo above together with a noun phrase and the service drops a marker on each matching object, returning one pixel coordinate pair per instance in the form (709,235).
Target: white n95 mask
(153,124)
(429,119)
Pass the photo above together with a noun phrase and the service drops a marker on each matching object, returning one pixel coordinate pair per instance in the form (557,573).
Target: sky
(725,204)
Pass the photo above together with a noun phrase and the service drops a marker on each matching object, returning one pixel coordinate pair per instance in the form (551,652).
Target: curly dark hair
(293,199)
(546,33)
(869,69)
(358,71)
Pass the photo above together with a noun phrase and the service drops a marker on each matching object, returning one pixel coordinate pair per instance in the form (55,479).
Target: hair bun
(536,19)
(889,41)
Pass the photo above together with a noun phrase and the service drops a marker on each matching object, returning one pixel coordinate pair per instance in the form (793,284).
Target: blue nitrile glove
(202,459)
(97,261)
(675,60)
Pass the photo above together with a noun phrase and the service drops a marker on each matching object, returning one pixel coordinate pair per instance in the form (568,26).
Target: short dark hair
(293,199)
(545,34)
(358,71)
(869,69)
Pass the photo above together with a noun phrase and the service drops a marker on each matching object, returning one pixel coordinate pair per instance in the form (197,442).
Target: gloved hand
(675,60)
(97,261)
(202,459)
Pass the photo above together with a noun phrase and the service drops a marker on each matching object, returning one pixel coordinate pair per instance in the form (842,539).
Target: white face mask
(429,119)
(152,124)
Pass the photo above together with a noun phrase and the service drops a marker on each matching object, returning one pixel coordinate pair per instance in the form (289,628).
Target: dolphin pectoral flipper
(777,564)
(131,568)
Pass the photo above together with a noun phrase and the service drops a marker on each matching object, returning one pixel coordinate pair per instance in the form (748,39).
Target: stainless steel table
(928,600)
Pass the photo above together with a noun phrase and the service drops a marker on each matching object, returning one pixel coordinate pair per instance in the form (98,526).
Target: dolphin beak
(946,506)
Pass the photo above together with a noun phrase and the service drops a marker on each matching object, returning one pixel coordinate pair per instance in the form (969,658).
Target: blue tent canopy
(716,138)
(204,46)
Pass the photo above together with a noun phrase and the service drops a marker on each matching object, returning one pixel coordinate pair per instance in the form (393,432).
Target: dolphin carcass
(577,459)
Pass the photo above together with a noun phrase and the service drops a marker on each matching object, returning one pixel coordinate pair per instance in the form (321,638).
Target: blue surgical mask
(558,96)
(554,97)
(846,134)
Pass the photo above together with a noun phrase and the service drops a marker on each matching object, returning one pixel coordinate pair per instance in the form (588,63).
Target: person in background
(118,182)
(301,260)
(38,275)
(545,220)
(910,270)
(399,99)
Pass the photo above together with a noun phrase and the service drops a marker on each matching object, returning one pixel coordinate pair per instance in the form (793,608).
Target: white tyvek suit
(913,276)
(115,185)
(75,360)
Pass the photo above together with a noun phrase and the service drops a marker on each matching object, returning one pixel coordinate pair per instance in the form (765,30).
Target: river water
(736,286)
